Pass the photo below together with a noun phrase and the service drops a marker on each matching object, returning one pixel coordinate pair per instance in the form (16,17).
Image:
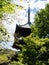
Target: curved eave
(24,26)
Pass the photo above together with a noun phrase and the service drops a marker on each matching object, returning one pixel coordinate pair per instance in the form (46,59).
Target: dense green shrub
(35,51)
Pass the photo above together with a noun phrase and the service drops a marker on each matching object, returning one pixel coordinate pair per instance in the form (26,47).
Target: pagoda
(22,31)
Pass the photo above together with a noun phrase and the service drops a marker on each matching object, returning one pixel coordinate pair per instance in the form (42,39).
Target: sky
(35,5)
(20,16)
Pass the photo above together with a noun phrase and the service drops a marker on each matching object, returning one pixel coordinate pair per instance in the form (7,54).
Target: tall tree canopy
(41,22)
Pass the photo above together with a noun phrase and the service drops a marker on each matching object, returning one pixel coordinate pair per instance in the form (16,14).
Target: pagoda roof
(25,25)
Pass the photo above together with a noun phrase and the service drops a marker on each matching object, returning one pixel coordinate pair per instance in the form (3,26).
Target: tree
(6,7)
(35,51)
(41,22)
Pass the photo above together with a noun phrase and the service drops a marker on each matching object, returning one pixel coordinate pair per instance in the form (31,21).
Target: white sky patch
(40,4)
(32,16)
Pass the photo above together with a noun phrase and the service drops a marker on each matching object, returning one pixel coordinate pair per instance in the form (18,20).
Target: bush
(35,51)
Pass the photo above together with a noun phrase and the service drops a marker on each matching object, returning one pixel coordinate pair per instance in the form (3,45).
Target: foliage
(35,51)
(3,33)
(5,7)
(41,22)
(6,55)
(15,63)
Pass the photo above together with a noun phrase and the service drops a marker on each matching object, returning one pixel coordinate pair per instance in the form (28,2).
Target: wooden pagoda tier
(24,30)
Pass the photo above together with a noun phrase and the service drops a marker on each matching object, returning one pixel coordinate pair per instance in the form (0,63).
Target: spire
(29,13)
(27,25)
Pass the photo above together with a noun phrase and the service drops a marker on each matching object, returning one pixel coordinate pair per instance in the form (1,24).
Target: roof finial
(28,12)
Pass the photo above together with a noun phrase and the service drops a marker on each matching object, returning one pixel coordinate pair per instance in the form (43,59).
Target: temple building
(22,30)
